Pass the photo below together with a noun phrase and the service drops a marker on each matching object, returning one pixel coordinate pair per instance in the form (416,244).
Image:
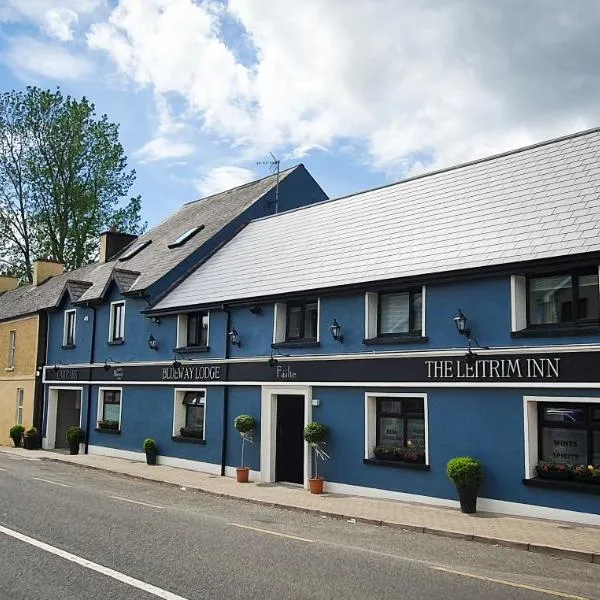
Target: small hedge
(465,471)
(16,434)
(315,433)
(150,446)
(75,435)
(244,423)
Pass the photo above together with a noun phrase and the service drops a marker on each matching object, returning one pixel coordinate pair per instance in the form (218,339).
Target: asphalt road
(68,533)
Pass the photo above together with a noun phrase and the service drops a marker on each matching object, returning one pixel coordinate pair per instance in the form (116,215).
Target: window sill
(569,486)
(187,440)
(396,464)
(115,342)
(9,369)
(395,339)
(550,332)
(68,346)
(190,349)
(110,431)
(296,344)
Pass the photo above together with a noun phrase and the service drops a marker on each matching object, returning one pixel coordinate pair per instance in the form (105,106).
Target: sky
(363,93)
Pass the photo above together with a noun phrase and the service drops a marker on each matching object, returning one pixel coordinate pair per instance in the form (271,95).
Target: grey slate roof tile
(537,202)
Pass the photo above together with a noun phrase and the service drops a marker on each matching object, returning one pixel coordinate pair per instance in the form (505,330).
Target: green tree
(73,177)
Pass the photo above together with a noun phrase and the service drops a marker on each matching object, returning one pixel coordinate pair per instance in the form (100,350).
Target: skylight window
(135,250)
(184,237)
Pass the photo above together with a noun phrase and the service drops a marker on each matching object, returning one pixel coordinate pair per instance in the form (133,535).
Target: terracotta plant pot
(242,474)
(315,485)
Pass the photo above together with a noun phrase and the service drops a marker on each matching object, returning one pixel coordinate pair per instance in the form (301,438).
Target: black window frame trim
(300,339)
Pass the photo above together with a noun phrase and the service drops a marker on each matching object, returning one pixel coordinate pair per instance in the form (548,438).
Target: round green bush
(75,435)
(31,432)
(244,423)
(315,433)
(149,445)
(16,434)
(465,471)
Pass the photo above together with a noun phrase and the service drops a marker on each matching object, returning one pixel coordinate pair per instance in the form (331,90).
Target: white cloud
(427,83)
(28,55)
(219,179)
(161,148)
(60,22)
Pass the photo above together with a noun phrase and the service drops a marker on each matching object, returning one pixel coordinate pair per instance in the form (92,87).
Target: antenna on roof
(274,166)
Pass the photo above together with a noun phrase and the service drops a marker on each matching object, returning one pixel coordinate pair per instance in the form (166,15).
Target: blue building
(453,313)
(97,321)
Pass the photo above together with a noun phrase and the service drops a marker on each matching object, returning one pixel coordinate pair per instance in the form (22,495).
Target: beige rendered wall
(21,376)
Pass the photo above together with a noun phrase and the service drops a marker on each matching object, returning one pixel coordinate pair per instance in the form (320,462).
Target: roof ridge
(438,171)
(237,187)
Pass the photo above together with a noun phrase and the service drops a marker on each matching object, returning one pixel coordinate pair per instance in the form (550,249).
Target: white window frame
(100,403)
(182,328)
(372,306)
(530,425)
(179,410)
(280,322)
(12,349)
(20,405)
(66,325)
(112,318)
(371,419)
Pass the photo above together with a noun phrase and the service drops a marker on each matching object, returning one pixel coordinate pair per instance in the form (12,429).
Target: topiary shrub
(75,435)
(245,425)
(16,434)
(315,435)
(465,471)
(150,446)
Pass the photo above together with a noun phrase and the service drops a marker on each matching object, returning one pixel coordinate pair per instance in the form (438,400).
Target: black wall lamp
(107,362)
(336,332)
(57,365)
(155,320)
(461,324)
(256,310)
(460,320)
(234,337)
(152,343)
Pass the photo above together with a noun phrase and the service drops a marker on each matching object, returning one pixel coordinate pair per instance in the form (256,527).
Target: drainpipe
(89,386)
(225,395)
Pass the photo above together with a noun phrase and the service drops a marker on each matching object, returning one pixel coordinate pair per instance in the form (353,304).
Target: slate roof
(538,202)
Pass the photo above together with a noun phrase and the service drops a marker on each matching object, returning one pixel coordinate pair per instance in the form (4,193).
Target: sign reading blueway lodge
(566,367)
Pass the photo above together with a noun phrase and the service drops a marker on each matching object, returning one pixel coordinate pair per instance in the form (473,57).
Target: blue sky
(362,93)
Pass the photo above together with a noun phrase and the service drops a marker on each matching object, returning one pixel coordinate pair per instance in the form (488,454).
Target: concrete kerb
(589,557)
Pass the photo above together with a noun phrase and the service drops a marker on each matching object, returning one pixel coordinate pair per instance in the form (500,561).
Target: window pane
(588,304)
(415,433)
(394,313)
(564,414)
(193,398)
(310,321)
(294,321)
(391,431)
(390,406)
(596,414)
(550,300)
(564,445)
(111,412)
(596,448)
(194,417)
(417,307)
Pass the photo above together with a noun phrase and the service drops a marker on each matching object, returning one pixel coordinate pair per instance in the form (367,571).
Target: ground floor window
(569,433)
(20,397)
(189,414)
(109,409)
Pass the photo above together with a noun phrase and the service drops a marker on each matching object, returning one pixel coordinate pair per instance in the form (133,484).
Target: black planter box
(556,475)
(31,443)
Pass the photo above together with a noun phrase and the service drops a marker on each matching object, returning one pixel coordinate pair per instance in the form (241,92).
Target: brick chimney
(8,283)
(112,242)
(43,269)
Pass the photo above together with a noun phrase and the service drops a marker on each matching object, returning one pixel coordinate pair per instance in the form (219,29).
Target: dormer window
(184,237)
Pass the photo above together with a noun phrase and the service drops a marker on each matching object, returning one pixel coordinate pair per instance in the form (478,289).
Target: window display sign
(564,445)
(391,431)
(415,433)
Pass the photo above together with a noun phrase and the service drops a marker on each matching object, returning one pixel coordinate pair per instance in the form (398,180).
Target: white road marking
(522,586)
(52,482)
(1,469)
(135,502)
(88,564)
(285,535)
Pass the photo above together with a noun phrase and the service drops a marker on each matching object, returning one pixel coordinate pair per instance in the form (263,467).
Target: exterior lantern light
(107,362)
(152,343)
(234,337)
(155,320)
(256,309)
(336,331)
(470,357)
(57,366)
(176,363)
(461,324)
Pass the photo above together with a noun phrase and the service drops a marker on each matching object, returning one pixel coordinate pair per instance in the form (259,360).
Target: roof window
(184,237)
(135,250)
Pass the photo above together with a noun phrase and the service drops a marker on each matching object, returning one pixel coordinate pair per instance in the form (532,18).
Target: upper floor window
(302,321)
(69,318)
(20,400)
(12,346)
(116,332)
(564,298)
(399,313)
(197,329)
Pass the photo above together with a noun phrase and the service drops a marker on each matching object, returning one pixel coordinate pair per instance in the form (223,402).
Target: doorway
(289,443)
(64,411)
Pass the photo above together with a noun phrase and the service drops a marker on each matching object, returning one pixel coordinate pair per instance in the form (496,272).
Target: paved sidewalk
(549,537)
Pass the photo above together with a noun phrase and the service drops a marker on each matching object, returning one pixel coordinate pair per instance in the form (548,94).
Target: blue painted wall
(243,401)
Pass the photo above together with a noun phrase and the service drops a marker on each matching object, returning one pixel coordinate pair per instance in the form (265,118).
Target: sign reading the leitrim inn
(483,368)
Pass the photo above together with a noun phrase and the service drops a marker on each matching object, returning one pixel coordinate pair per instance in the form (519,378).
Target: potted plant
(548,469)
(16,434)
(467,474)
(587,474)
(191,432)
(75,436)
(315,435)
(245,425)
(107,424)
(151,451)
(384,452)
(31,439)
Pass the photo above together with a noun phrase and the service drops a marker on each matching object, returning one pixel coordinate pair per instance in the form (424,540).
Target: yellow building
(23,345)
